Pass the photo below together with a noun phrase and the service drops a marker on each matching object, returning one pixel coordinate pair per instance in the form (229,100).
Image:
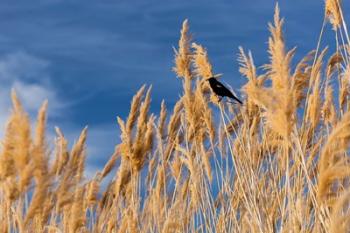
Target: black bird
(220,90)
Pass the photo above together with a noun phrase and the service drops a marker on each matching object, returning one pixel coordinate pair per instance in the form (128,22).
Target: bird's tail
(237,100)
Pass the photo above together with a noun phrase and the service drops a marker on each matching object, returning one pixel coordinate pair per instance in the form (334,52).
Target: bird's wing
(221,90)
(228,93)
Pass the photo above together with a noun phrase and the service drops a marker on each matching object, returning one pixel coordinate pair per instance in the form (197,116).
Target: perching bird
(220,90)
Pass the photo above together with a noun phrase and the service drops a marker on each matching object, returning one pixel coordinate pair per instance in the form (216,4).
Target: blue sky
(89,57)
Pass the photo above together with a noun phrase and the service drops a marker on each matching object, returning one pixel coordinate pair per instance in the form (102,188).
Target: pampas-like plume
(36,205)
(301,78)
(248,70)
(77,161)
(333,12)
(162,119)
(111,163)
(134,110)
(134,150)
(19,135)
(333,64)
(313,110)
(340,217)
(328,108)
(278,101)
(61,155)
(40,128)
(344,87)
(16,148)
(279,59)
(332,165)
(201,62)
(77,216)
(183,54)
(39,150)
(92,191)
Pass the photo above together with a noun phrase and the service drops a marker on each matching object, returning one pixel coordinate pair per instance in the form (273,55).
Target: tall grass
(279,163)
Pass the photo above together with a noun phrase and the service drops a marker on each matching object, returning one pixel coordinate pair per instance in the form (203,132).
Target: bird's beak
(217,75)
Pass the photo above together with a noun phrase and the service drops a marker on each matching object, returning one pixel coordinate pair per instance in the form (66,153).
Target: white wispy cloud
(21,65)
(28,75)
(33,95)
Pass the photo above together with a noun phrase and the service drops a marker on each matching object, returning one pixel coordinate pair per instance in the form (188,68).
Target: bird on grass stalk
(221,91)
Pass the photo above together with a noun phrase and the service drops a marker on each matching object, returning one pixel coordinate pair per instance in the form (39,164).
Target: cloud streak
(28,76)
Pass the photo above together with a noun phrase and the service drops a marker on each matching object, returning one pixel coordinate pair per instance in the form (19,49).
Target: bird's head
(211,79)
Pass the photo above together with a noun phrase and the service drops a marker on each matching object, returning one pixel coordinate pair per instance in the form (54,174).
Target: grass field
(279,163)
